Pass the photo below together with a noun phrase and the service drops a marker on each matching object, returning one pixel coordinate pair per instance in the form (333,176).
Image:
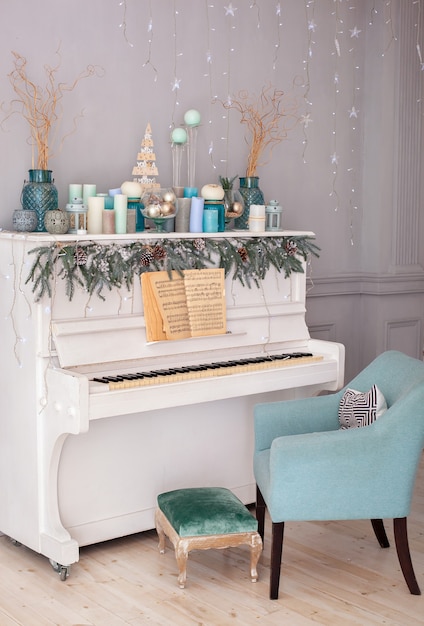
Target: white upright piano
(80,463)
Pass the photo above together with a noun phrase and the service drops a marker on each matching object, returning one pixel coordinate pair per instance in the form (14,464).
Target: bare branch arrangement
(40,106)
(268,118)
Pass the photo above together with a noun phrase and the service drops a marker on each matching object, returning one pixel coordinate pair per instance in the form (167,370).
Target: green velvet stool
(203,518)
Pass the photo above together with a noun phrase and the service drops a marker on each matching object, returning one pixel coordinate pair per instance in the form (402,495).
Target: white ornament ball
(132,189)
(212,191)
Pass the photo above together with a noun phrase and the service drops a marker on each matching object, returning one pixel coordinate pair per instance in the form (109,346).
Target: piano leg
(65,412)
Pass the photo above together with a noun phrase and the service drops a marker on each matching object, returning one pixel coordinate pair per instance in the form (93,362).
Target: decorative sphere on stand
(179,135)
(192,117)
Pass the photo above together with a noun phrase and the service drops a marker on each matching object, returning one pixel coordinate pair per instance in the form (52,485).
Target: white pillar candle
(120,204)
(96,206)
(256,224)
(257,210)
(75,193)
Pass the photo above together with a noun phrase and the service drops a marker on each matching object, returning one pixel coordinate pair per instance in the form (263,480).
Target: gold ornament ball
(237,208)
(169,196)
(167,208)
(153,210)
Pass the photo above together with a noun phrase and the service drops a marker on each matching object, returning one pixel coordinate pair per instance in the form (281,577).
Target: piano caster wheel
(62,570)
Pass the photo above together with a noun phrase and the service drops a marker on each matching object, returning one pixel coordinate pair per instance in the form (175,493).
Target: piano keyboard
(206,370)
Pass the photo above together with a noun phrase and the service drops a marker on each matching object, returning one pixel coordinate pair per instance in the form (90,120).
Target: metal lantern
(77,218)
(273,213)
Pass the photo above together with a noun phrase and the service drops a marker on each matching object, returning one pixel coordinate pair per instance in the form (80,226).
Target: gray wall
(363,94)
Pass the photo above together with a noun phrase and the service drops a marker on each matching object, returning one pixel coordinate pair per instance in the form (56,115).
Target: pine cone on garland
(146,257)
(80,256)
(199,244)
(159,253)
(291,248)
(243,253)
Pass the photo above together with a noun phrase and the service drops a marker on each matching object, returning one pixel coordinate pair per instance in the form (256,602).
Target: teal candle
(210,220)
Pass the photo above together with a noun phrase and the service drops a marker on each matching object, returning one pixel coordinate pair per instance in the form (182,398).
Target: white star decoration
(334,159)
(176,84)
(353,112)
(306,120)
(312,26)
(354,32)
(230,10)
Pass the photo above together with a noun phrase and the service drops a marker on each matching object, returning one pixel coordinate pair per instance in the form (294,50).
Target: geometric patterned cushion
(358,409)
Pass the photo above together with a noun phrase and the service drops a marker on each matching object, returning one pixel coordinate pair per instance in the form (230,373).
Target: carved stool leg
(255,553)
(161,534)
(181,554)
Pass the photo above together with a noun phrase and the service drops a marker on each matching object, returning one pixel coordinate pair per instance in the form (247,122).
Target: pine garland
(96,267)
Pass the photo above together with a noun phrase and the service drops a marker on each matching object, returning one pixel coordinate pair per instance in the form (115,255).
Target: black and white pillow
(359,408)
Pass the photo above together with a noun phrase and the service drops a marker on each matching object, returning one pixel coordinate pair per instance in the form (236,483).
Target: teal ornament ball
(192,117)
(179,135)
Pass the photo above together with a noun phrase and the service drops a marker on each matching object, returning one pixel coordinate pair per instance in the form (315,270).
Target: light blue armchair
(307,468)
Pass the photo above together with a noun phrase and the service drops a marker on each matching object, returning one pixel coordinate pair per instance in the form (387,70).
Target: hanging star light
(306,120)
(353,112)
(354,32)
(176,84)
(230,10)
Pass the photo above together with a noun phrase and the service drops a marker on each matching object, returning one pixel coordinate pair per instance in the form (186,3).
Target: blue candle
(196,215)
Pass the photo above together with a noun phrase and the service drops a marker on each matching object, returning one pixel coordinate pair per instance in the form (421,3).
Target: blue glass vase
(251,194)
(39,194)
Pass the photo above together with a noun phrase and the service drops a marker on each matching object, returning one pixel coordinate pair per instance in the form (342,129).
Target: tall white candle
(120,205)
(96,206)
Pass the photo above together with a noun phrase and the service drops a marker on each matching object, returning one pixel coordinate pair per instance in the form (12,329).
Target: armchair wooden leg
(380,533)
(404,555)
(260,512)
(276,554)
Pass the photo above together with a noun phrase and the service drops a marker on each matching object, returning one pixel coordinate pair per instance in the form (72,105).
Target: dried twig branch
(41,106)
(268,119)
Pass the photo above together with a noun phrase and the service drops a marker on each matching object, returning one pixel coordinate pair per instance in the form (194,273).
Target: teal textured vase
(39,194)
(251,194)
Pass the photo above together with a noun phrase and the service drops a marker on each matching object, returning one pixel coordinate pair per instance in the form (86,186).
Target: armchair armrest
(293,417)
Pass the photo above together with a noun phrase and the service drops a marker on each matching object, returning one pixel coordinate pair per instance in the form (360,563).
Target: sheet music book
(192,305)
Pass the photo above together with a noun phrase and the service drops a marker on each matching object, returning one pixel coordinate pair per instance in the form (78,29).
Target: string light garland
(96,267)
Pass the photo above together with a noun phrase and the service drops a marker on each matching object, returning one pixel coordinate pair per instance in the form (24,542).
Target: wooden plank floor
(333,573)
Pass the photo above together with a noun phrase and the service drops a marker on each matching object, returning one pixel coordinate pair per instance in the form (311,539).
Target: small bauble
(237,208)
(153,210)
(169,196)
(167,208)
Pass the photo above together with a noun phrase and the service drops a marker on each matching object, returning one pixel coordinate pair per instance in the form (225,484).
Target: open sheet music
(192,305)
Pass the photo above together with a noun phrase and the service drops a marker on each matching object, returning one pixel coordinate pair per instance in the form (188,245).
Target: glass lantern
(77,218)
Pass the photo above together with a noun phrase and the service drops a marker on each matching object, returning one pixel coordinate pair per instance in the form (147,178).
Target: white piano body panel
(81,464)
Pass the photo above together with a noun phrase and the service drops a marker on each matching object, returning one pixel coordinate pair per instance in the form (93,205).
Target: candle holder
(77,218)
(191,155)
